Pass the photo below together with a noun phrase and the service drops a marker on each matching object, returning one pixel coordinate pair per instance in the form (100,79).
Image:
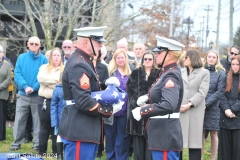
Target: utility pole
(231,24)
(188,21)
(218,25)
(202,32)
(207,31)
(171,19)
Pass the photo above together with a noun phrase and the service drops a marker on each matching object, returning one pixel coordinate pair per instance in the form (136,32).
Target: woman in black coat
(139,84)
(216,90)
(102,73)
(229,134)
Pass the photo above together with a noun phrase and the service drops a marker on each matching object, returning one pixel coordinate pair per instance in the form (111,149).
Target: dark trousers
(45,127)
(229,144)
(29,127)
(140,148)
(3,112)
(194,154)
(117,141)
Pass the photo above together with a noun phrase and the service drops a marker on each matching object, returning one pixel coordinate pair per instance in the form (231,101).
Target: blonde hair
(217,65)
(50,62)
(179,55)
(112,67)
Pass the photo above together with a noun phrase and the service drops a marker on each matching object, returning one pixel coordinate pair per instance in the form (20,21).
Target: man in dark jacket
(80,124)
(234,50)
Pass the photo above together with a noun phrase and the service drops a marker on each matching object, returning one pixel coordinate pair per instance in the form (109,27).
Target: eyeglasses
(148,59)
(232,53)
(67,47)
(36,44)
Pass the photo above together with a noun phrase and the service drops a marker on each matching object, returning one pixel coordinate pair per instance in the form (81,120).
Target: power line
(224,18)
(237,10)
(237,5)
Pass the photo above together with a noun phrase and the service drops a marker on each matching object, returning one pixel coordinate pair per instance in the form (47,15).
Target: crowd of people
(174,99)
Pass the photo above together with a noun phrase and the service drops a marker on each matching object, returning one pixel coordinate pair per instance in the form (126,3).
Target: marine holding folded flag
(163,128)
(80,125)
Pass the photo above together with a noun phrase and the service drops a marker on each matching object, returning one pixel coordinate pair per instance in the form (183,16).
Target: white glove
(117,107)
(112,80)
(142,100)
(136,113)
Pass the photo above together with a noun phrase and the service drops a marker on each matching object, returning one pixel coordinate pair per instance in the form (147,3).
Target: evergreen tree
(236,38)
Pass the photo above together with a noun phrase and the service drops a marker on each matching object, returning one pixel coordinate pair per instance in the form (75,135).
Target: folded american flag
(111,95)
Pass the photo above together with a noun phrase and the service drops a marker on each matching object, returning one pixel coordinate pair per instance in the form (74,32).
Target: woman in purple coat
(117,141)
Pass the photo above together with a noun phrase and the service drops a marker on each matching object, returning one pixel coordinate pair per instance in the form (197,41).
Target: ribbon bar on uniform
(173,115)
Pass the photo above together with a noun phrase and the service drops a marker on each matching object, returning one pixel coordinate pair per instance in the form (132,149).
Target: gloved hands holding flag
(112,80)
(111,95)
(117,107)
(142,100)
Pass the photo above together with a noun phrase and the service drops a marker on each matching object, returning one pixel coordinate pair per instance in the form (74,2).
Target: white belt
(173,115)
(70,102)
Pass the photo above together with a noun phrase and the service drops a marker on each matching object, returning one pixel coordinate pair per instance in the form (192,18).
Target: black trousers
(45,127)
(140,148)
(194,154)
(229,144)
(3,112)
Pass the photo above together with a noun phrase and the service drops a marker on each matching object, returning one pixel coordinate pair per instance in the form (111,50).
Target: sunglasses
(32,44)
(232,53)
(148,59)
(67,47)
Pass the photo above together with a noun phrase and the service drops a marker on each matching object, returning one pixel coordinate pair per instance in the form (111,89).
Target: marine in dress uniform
(163,128)
(80,125)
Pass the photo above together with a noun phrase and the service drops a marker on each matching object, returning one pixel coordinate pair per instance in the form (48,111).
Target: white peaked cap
(170,44)
(95,33)
(122,41)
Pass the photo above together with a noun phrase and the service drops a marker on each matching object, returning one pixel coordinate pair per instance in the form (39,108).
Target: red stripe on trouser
(77,156)
(164,155)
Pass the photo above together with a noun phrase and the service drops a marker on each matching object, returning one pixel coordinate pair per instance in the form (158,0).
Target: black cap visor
(160,49)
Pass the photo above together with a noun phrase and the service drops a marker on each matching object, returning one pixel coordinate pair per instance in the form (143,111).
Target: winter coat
(215,92)
(47,80)
(231,100)
(5,79)
(102,71)
(226,64)
(57,105)
(26,71)
(196,87)
(137,86)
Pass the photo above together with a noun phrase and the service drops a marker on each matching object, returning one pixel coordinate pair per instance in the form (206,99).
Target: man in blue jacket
(25,76)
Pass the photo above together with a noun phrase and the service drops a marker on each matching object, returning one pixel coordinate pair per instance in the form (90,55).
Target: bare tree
(156,20)
(57,18)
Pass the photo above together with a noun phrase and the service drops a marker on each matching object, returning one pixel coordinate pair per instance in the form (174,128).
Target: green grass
(27,148)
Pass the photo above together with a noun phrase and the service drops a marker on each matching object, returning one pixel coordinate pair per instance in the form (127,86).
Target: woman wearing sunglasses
(215,92)
(196,85)
(138,84)
(163,128)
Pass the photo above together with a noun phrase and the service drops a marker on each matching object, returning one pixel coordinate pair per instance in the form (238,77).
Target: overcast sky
(195,9)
